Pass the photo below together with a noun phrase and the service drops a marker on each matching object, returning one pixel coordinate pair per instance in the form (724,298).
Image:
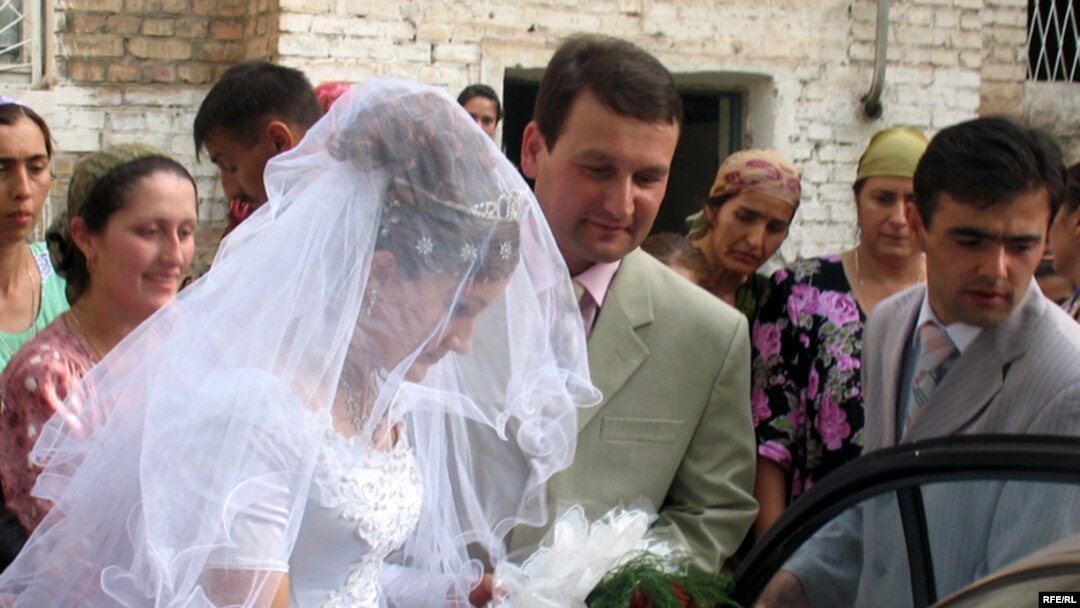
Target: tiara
(507,207)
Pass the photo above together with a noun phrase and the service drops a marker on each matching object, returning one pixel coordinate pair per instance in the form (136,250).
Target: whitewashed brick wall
(136,70)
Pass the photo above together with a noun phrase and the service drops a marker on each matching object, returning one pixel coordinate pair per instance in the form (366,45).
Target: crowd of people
(405,362)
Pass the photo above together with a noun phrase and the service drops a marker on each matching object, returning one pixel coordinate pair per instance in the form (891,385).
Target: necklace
(358,409)
(85,336)
(35,305)
(858,271)
(354,406)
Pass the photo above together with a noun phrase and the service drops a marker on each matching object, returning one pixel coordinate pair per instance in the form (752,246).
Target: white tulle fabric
(218,447)
(574,556)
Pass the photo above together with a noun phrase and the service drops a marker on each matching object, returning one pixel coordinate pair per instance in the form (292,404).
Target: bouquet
(613,562)
(647,581)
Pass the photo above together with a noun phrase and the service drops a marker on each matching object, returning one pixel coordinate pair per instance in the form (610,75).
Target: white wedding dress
(374,503)
(362,503)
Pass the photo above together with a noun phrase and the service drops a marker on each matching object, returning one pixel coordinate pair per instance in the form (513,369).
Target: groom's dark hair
(622,75)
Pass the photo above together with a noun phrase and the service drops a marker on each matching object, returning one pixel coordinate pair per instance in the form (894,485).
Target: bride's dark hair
(431,206)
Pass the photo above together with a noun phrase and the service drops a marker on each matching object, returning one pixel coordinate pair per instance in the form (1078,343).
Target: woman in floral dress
(807,338)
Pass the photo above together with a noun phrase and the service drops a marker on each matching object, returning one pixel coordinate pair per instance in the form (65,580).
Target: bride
(372,385)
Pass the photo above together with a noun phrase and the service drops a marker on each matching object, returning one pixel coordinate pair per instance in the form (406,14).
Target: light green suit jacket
(673,363)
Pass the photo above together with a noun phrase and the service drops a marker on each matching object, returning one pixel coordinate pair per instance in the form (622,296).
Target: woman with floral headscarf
(807,337)
(743,223)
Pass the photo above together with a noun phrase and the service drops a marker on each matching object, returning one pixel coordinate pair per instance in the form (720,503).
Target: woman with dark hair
(383,368)
(123,246)
(806,394)
(31,294)
(482,103)
(677,253)
(744,221)
(1065,238)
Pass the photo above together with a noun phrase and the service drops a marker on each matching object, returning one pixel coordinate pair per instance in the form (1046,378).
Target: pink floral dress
(806,395)
(32,389)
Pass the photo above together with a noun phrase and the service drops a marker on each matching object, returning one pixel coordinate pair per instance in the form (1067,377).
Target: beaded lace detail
(381,493)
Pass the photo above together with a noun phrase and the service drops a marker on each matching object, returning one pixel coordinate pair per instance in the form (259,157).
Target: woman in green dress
(31,293)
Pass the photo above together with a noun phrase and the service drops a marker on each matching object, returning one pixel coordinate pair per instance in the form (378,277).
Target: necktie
(587,305)
(937,356)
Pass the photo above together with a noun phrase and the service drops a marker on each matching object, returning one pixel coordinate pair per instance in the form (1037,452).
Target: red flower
(640,600)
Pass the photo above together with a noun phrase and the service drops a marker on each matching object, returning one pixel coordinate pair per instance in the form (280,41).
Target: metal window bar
(24,26)
(1053,37)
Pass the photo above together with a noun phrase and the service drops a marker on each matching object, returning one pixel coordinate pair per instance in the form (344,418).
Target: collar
(596,280)
(961,334)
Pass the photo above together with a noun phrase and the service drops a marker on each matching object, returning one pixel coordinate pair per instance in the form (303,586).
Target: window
(23,34)
(1052,40)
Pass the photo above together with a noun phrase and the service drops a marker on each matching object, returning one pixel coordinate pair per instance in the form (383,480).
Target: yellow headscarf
(892,153)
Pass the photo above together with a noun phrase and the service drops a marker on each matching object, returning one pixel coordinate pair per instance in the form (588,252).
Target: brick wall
(803,64)
(137,69)
(1004,42)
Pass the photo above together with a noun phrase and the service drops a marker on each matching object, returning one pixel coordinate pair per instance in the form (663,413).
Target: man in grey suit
(1006,363)
(672,361)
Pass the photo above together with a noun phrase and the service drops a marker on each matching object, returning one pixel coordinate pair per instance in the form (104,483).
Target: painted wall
(135,70)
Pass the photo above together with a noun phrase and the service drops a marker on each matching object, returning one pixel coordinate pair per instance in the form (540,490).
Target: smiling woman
(127,241)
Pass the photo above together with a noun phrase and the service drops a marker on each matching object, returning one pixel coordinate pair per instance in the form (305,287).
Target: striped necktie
(938,353)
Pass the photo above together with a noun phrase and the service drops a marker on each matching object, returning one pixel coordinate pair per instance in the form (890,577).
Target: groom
(672,361)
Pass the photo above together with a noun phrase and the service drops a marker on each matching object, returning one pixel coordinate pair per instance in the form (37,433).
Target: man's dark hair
(249,95)
(1072,191)
(481,90)
(623,76)
(986,162)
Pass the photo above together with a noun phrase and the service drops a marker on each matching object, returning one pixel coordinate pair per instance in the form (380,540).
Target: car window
(917,523)
(1051,571)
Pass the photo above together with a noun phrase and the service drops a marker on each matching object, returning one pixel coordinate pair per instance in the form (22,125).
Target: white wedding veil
(401,284)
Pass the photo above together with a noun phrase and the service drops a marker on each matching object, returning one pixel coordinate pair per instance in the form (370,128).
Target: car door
(911,524)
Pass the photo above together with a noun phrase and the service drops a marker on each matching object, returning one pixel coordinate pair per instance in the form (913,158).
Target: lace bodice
(362,506)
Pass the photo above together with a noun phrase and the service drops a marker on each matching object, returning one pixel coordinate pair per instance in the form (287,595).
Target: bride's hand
(484,592)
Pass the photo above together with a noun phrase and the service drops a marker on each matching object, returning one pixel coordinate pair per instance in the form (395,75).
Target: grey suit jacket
(673,363)
(1022,376)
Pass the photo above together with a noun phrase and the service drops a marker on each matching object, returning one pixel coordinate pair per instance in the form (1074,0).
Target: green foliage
(644,583)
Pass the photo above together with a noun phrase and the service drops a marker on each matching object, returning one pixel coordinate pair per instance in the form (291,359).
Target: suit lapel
(964,393)
(894,352)
(978,375)
(615,349)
